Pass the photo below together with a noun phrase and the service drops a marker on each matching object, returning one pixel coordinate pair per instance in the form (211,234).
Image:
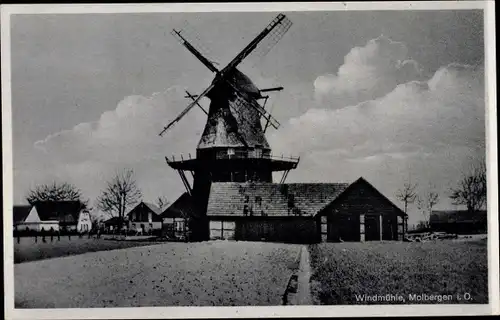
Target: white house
(84,222)
(26,218)
(51,215)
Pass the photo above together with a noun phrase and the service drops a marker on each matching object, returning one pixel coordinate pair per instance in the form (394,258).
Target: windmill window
(230,152)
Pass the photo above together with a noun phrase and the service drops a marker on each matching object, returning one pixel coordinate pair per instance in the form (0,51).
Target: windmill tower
(233,146)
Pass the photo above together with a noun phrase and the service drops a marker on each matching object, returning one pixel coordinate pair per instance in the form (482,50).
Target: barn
(361,213)
(177,218)
(302,212)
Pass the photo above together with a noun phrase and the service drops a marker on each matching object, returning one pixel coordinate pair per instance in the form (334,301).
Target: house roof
(230,198)
(152,207)
(363,181)
(452,216)
(113,220)
(182,207)
(21,212)
(66,212)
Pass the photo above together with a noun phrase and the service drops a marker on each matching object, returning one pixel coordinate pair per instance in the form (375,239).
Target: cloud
(126,137)
(368,72)
(430,129)
(447,109)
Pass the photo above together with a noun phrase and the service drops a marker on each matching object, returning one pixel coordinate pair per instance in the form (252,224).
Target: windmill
(233,146)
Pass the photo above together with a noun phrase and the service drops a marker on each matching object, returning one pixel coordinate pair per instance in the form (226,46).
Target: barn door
(372,228)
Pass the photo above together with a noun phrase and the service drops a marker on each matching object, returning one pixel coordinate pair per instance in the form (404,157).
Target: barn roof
(20,213)
(452,216)
(230,198)
(363,182)
(182,207)
(66,212)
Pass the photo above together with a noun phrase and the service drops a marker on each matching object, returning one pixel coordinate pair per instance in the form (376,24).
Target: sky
(393,96)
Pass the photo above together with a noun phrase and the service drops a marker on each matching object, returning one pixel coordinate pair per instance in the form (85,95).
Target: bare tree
(471,189)
(426,203)
(96,217)
(56,192)
(407,194)
(120,193)
(162,202)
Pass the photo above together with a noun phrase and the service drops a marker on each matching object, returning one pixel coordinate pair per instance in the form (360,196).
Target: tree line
(470,191)
(118,196)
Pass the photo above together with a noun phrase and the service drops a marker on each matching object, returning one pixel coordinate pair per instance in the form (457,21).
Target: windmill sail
(180,36)
(263,48)
(186,36)
(280,19)
(231,78)
(186,110)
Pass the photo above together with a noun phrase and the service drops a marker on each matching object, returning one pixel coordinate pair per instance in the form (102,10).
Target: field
(27,250)
(340,271)
(216,273)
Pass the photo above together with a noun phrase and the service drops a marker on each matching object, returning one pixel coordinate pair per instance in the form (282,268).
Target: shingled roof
(231,119)
(271,199)
(21,212)
(181,208)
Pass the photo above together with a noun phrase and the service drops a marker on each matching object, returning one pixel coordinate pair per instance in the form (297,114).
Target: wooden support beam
(285,174)
(380,220)
(362,227)
(185,182)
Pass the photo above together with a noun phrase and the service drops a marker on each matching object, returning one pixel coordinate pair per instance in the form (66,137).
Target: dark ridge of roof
(181,208)
(451,216)
(230,198)
(362,180)
(21,212)
(153,207)
(66,212)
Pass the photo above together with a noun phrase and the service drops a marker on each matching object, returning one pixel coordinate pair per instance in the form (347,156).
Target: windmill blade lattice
(265,46)
(189,33)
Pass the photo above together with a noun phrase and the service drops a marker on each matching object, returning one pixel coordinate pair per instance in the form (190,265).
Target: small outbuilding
(114,223)
(459,221)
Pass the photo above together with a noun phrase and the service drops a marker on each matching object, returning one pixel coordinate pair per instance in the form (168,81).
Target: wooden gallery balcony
(233,161)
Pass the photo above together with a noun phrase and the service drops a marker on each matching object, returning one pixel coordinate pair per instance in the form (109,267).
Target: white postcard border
(222,312)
